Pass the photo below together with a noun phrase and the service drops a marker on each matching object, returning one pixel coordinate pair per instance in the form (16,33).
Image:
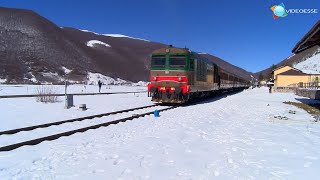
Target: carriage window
(191,64)
(158,62)
(201,71)
(177,62)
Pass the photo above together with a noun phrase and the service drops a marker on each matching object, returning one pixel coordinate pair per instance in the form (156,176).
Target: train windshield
(158,62)
(178,61)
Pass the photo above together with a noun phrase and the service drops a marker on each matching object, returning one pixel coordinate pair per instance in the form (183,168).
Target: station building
(287,77)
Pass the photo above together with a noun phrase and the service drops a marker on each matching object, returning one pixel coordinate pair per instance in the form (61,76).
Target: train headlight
(179,79)
(154,78)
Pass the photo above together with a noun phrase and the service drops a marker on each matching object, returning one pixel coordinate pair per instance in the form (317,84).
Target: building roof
(292,72)
(310,39)
(285,66)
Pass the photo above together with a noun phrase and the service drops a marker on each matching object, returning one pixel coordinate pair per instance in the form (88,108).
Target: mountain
(228,67)
(295,59)
(35,50)
(125,58)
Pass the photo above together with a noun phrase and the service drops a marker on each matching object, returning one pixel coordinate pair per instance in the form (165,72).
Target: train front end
(170,75)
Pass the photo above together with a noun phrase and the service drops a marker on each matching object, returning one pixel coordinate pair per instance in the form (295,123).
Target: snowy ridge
(93,78)
(310,65)
(291,56)
(115,35)
(52,75)
(91,43)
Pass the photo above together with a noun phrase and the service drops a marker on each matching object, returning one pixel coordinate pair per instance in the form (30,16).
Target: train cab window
(179,62)
(158,62)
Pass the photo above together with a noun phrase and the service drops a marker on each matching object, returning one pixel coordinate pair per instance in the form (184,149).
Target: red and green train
(179,75)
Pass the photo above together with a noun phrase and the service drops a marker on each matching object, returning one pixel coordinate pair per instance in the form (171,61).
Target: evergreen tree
(260,78)
(273,67)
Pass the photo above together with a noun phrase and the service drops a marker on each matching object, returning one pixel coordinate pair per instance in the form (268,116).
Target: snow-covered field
(76,88)
(21,112)
(230,137)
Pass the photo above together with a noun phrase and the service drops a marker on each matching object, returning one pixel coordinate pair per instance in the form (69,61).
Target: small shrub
(45,94)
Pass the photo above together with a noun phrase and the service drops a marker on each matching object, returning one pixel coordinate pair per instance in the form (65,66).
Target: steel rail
(68,133)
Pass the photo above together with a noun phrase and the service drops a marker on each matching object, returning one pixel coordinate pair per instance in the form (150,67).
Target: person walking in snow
(100,85)
(270,89)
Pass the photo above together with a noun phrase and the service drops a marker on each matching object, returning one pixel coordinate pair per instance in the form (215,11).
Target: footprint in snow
(230,161)
(126,172)
(118,161)
(98,171)
(311,157)
(115,156)
(188,150)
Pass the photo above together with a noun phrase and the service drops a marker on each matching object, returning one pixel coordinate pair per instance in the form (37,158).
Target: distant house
(287,77)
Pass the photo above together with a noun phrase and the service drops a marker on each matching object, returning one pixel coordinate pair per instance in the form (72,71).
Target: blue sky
(243,33)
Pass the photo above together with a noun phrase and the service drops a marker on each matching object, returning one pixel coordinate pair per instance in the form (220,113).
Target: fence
(310,85)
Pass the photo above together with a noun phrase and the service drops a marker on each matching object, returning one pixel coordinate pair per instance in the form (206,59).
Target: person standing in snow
(270,89)
(100,85)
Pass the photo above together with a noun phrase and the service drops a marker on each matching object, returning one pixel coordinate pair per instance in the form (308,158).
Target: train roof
(171,50)
(198,56)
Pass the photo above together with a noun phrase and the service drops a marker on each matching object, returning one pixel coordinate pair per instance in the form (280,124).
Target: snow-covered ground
(115,35)
(76,88)
(310,65)
(23,112)
(230,137)
(92,43)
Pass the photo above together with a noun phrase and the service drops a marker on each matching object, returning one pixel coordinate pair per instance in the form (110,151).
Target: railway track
(38,140)
(75,94)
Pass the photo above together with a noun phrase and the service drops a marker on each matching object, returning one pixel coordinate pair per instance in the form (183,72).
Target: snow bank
(66,70)
(115,35)
(52,75)
(91,43)
(3,81)
(93,78)
(140,83)
(310,65)
(31,77)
